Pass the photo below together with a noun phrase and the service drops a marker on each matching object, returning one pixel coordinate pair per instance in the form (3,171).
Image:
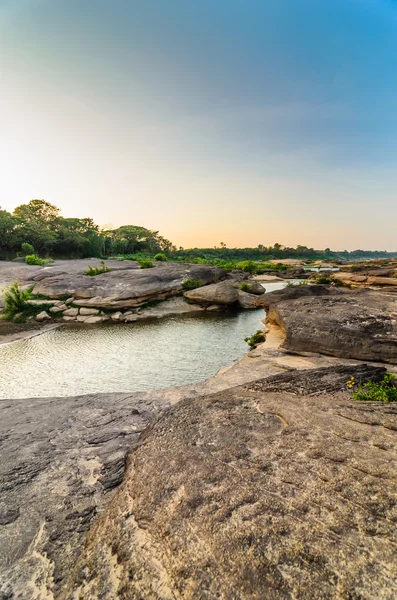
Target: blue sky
(243,121)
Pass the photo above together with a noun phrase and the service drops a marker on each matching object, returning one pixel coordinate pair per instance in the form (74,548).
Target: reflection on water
(114,358)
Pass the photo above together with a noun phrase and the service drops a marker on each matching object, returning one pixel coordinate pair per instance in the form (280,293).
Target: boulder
(43,316)
(55,309)
(128,288)
(359,324)
(218,293)
(89,311)
(93,320)
(71,312)
(116,316)
(246,300)
(69,319)
(283,488)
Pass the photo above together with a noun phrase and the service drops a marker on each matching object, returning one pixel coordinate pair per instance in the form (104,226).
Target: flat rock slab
(284,488)
(60,460)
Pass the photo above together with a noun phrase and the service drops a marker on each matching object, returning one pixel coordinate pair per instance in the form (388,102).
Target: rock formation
(360,324)
(284,488)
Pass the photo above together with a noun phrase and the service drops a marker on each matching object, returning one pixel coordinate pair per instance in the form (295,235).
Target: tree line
(39,224)
(39,228)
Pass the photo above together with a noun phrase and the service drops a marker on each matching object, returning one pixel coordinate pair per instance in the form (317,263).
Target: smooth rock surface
(284,488)
(217,293)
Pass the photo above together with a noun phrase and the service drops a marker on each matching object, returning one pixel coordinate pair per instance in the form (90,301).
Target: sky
(238,121)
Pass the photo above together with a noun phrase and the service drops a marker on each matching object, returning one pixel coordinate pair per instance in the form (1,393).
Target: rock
(93,320)
(246,300)
(89,311)
(62,305)
(128,288)
(217,293)
(129,318)
(61,459)
(293,292)
(170,307)
(55,310)
(71,312)
(43,316)
(116,316)
(69,319)
(359,324)
(81,318)
(284,488)
(69,301)
(213,308)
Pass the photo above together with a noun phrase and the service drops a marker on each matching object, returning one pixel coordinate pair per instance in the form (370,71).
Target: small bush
(385,391)
(245,287)
(191,284)
(33,259)
(145,263)
(248,266)
(26,249)
(323,280)
(257,338)
(92,271)
(161,257)
(15,299)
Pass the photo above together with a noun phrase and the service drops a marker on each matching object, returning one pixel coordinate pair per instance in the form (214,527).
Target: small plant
(26,249)
(245,287)
(248,266)
(92,271)
(15,299)
(33,259)
(191,284)
(385,391)
(145,263)
(257,338)
(160,257)
(323,280)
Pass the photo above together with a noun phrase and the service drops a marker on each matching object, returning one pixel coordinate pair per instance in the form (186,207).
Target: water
(124,358)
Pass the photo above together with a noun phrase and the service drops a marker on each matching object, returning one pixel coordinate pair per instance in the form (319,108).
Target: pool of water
(114,358)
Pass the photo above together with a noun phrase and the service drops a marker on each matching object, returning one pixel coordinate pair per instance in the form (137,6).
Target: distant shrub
(323,280)
(191,284)
(145,263)
(160,257)
(26,249)
(248,266)
(33,259)
(245,287)
(15,299)
(385,391)
(92,271)
(257,338)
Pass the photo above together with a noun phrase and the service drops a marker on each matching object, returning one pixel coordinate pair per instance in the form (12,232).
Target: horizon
(242,122)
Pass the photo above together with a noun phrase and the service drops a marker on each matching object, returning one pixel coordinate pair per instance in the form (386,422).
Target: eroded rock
(284,488)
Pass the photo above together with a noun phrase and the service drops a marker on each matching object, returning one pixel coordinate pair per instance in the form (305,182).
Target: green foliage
(33,259)
(257,338)
(27,249)
(160,257)
(385,391)
(248,266)
(191,284)
(145,263)
(245,287)
(15,299)
(323,280)
(92,271)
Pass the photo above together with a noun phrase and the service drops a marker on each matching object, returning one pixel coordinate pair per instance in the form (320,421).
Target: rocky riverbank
(268,480)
